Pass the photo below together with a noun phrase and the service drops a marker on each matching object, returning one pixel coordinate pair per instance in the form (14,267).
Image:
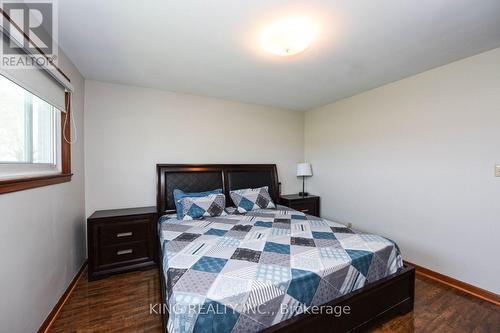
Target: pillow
(251,198)
(197,207)
(179,194)
(167,217)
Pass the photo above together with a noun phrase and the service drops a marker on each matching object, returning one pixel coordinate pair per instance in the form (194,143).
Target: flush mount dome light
(288,37)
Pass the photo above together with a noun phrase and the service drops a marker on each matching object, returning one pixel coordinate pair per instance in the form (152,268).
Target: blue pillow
(198,207)
(249,199)
(179,194)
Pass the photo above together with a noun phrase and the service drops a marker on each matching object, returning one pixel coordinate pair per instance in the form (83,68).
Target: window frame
(29,182)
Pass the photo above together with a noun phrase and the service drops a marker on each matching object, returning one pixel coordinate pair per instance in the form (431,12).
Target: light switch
(497,170)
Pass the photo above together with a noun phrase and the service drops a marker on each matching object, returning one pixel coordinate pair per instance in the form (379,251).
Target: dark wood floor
(122,304)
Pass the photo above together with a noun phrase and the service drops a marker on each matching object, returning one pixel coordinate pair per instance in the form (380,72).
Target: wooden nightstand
(121,240)
(308,204)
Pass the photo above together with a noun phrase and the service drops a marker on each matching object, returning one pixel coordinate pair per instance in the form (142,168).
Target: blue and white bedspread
(243,273)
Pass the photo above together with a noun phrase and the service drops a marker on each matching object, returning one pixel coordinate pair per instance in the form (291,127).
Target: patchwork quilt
(243,273)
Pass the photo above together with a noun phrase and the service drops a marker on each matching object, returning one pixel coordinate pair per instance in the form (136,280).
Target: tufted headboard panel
(206,177)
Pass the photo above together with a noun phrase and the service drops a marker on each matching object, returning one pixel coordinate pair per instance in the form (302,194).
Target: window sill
(20,184)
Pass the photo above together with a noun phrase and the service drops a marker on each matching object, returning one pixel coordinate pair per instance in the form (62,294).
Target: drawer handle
(122,252)
(124,234)
(304,210)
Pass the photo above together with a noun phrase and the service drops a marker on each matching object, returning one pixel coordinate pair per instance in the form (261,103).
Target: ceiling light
(288,37)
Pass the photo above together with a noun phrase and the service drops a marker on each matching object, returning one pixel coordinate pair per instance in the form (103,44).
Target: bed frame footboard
(374,303)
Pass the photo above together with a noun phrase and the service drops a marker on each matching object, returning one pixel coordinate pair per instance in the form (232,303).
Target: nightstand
(308,204)
(121,240)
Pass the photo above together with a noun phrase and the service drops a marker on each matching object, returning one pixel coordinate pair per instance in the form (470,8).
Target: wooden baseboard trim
(457,284)
(64,298)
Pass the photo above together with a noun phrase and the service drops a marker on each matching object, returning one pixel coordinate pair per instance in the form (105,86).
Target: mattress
(247,272)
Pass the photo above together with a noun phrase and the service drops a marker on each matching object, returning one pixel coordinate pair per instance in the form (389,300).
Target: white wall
(130,129)
(414,161)
(42,234)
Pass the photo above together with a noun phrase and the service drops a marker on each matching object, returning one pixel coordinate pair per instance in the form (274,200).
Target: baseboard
(64,298)
(457,284)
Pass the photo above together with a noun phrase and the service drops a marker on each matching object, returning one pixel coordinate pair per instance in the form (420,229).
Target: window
(28,132)
(31,140)
(35,117)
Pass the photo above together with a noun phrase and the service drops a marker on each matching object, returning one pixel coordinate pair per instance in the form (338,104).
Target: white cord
(69,103)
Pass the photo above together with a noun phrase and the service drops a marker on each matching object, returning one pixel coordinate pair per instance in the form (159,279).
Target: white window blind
(38,81)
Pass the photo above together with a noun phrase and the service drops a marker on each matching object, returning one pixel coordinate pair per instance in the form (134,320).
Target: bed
(271,269)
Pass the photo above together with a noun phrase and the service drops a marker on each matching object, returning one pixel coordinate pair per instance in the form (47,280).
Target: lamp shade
(304,169)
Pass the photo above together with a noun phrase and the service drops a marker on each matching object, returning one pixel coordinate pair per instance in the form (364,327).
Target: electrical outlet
(497,170)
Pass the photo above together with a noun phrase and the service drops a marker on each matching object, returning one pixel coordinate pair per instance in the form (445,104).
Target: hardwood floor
(116,304)
(122,304)
(440,308)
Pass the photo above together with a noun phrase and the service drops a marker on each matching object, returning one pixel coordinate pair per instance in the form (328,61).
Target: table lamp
(304,170)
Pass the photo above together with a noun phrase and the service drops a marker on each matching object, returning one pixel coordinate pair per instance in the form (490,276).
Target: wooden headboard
(206,177)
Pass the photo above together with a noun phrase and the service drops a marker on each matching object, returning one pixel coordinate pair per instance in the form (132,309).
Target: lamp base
(303,194)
